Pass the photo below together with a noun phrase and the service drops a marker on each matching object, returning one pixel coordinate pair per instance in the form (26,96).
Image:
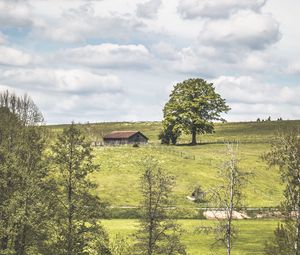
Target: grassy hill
(119,173)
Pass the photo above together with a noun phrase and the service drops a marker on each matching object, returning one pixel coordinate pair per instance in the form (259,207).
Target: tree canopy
(192,108)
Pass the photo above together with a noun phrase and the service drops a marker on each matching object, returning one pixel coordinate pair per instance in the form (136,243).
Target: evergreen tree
(285,153)
(77,230)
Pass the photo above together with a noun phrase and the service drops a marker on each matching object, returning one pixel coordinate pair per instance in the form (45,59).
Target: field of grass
(252,235)
(119,173)
(118,178)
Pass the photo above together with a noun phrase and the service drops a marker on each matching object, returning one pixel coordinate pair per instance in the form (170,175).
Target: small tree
(170,133)
(77,218)
(228,196)
(285,153)
(193,106)
(120,246)
(158,233)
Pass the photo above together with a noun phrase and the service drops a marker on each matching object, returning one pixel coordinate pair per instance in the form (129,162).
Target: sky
(117,60)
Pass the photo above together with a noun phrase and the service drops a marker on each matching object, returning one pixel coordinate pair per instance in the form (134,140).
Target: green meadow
(252,235)
(119,173)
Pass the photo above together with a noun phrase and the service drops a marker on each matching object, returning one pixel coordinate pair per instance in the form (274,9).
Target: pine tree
(285,153)
(77,230)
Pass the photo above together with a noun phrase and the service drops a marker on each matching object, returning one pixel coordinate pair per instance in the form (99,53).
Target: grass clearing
(118,178)
(252,235)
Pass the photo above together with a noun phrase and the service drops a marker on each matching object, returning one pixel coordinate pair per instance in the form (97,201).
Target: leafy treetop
(192,107)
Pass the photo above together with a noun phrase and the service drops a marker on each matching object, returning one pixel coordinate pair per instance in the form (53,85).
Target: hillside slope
(119,173)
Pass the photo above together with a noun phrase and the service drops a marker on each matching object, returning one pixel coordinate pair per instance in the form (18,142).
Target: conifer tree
(285,154)
(77,229)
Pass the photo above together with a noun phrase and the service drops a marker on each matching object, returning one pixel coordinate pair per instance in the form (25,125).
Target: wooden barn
(125,137)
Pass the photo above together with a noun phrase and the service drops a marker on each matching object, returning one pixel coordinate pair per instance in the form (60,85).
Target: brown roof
(120,134)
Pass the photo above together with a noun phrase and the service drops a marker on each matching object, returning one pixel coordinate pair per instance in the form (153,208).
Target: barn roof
(121,134)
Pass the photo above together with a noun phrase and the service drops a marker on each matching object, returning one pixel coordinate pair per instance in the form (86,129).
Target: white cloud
(252,91)
(109,55)
(83,23)
(79,53)
(293,68)
(14,57)
(239,31)
(148,9)
(191,9)
(67,81)
(15,13)
(251,98)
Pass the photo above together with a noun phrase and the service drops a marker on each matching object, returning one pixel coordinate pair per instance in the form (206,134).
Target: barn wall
(137,138)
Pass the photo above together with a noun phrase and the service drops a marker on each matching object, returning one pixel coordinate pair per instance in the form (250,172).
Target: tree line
(48,206)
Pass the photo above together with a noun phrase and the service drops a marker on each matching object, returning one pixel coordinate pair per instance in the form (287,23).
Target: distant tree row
(268,119)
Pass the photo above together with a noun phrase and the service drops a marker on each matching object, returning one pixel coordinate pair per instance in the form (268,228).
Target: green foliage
(169,134)
(77,230)
(158,233)
(283,241)
(120,246)
(23,107)
(23,177)
(285,154)
(192,107)
(198,194)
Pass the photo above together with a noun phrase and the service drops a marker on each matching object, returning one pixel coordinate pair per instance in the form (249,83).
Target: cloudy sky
(117,60)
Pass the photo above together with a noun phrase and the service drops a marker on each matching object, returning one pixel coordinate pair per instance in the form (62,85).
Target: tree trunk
(151,225)
(24,233)
(297,248)
(194,139)
(70,204)
(70,217)
(231,206)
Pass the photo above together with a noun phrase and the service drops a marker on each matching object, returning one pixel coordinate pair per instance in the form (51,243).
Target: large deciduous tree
(285,153)
(22,106)
(192,108)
